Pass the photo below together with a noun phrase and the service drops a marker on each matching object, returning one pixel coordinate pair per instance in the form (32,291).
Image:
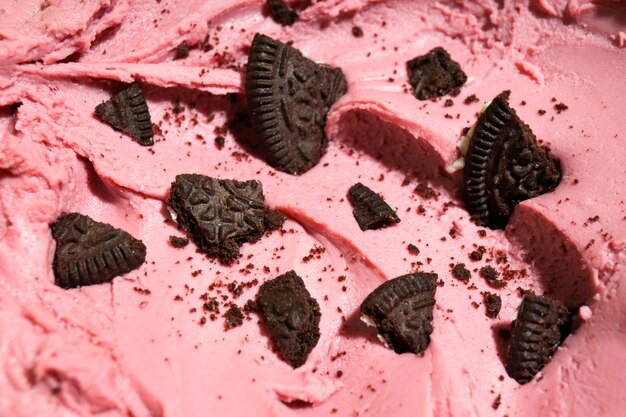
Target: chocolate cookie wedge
(89,252)
(370,210)
(402,311)
(291,316)
(221,214)
(128,111)
(540,327)
(504,165)
(435,74)
(289,96)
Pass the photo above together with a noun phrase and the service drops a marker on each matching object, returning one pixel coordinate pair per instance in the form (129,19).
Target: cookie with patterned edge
(90,252)
(435,74)
(370,210)
(291,316)
(541,326)
(504,165)
(288,97)
(402,311)
(221,214)
(128,111)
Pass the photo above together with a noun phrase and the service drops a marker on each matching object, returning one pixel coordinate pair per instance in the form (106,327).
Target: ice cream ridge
(312,208)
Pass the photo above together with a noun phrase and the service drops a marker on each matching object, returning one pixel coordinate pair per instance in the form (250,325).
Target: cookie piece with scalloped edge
(504,165)
(90,252)
(128,111)
(289,96)
(402,311)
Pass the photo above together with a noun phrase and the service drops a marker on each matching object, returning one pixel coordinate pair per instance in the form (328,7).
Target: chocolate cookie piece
(370,210)
(504,165)
(289,96)
(435,74)
(282,13)
(461,273)
(274,220)
(89,252)
(178,242)
(220,215)
(128,111)
(402,311)
(490,275)
(493,304)
(291,315)
(540,327)
(233,317)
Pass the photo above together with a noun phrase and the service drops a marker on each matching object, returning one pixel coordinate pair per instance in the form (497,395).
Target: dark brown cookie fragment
(490,275)
(220,215)
(370,210)
(128,111)
(435,74)
(274,220)
(493,304)
(402,311)
(291,315)
(282,13)
(504,165)
(233,317)
(540,327)
(461,273)
(289,96)
(181,52)
(178,242)
(89,252)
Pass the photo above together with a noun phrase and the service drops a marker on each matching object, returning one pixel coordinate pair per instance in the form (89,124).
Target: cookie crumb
(178,242)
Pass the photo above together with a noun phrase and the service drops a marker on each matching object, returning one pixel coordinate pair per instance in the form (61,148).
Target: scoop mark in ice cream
(128,111)
(504,165)
(435,74)
(540,327)
(370,210)
(291,316)
(402,311)
(220,215)
(289,96)
(282,13)
(89,252)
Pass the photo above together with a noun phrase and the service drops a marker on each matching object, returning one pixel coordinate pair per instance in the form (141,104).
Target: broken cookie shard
(89,252)
(282,13)
(220,214)
(540,327)
(291,317)
(289,96)
(435,74)
(402,311)
(128,111)
(370,210)
(504,165)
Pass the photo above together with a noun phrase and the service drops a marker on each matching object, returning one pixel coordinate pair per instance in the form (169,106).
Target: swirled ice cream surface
(145,345)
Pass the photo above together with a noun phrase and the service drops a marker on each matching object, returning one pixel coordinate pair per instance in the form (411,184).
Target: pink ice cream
(145,346)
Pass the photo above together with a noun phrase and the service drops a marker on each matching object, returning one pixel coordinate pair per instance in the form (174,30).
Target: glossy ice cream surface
(137,347)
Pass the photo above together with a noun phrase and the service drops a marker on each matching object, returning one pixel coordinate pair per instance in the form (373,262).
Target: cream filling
(463,145)
(370,322)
